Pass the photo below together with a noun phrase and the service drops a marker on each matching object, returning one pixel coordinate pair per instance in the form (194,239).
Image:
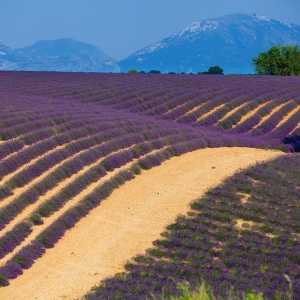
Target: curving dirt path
(127,222)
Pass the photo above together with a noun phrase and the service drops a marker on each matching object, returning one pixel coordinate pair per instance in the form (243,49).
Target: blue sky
(120,27)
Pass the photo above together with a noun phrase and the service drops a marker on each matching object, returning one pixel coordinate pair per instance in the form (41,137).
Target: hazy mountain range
(230,41)
(59,55)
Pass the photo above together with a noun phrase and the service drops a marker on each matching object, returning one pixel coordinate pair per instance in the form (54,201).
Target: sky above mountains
(121,27)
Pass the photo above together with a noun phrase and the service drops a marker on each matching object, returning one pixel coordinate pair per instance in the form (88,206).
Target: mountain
(5,63)
(230,41)
(65,55)
(3,50)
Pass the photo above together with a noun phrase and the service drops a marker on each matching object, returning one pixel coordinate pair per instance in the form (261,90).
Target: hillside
(89,162)
(231,42)
(63,55)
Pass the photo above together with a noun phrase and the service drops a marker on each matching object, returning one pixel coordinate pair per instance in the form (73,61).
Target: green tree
(215,70)
(154,72)
(279,60)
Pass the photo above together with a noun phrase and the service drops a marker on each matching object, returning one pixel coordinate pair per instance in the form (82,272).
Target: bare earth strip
(250,113)
(127,223)
(295,129)
(287,117)
(210,112)
(233,111)
(189,112)
(265,118)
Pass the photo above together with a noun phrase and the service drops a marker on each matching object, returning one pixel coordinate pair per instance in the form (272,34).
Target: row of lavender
(208,244)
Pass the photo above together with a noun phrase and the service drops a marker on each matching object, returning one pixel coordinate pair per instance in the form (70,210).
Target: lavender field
(69,141)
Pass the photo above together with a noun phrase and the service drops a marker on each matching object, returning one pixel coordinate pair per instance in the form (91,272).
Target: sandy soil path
(126,223)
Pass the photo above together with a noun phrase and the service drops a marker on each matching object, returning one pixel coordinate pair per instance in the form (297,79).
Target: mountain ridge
(197,47)
(64,55)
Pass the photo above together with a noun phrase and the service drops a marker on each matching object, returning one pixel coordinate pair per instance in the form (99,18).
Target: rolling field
(94,167)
